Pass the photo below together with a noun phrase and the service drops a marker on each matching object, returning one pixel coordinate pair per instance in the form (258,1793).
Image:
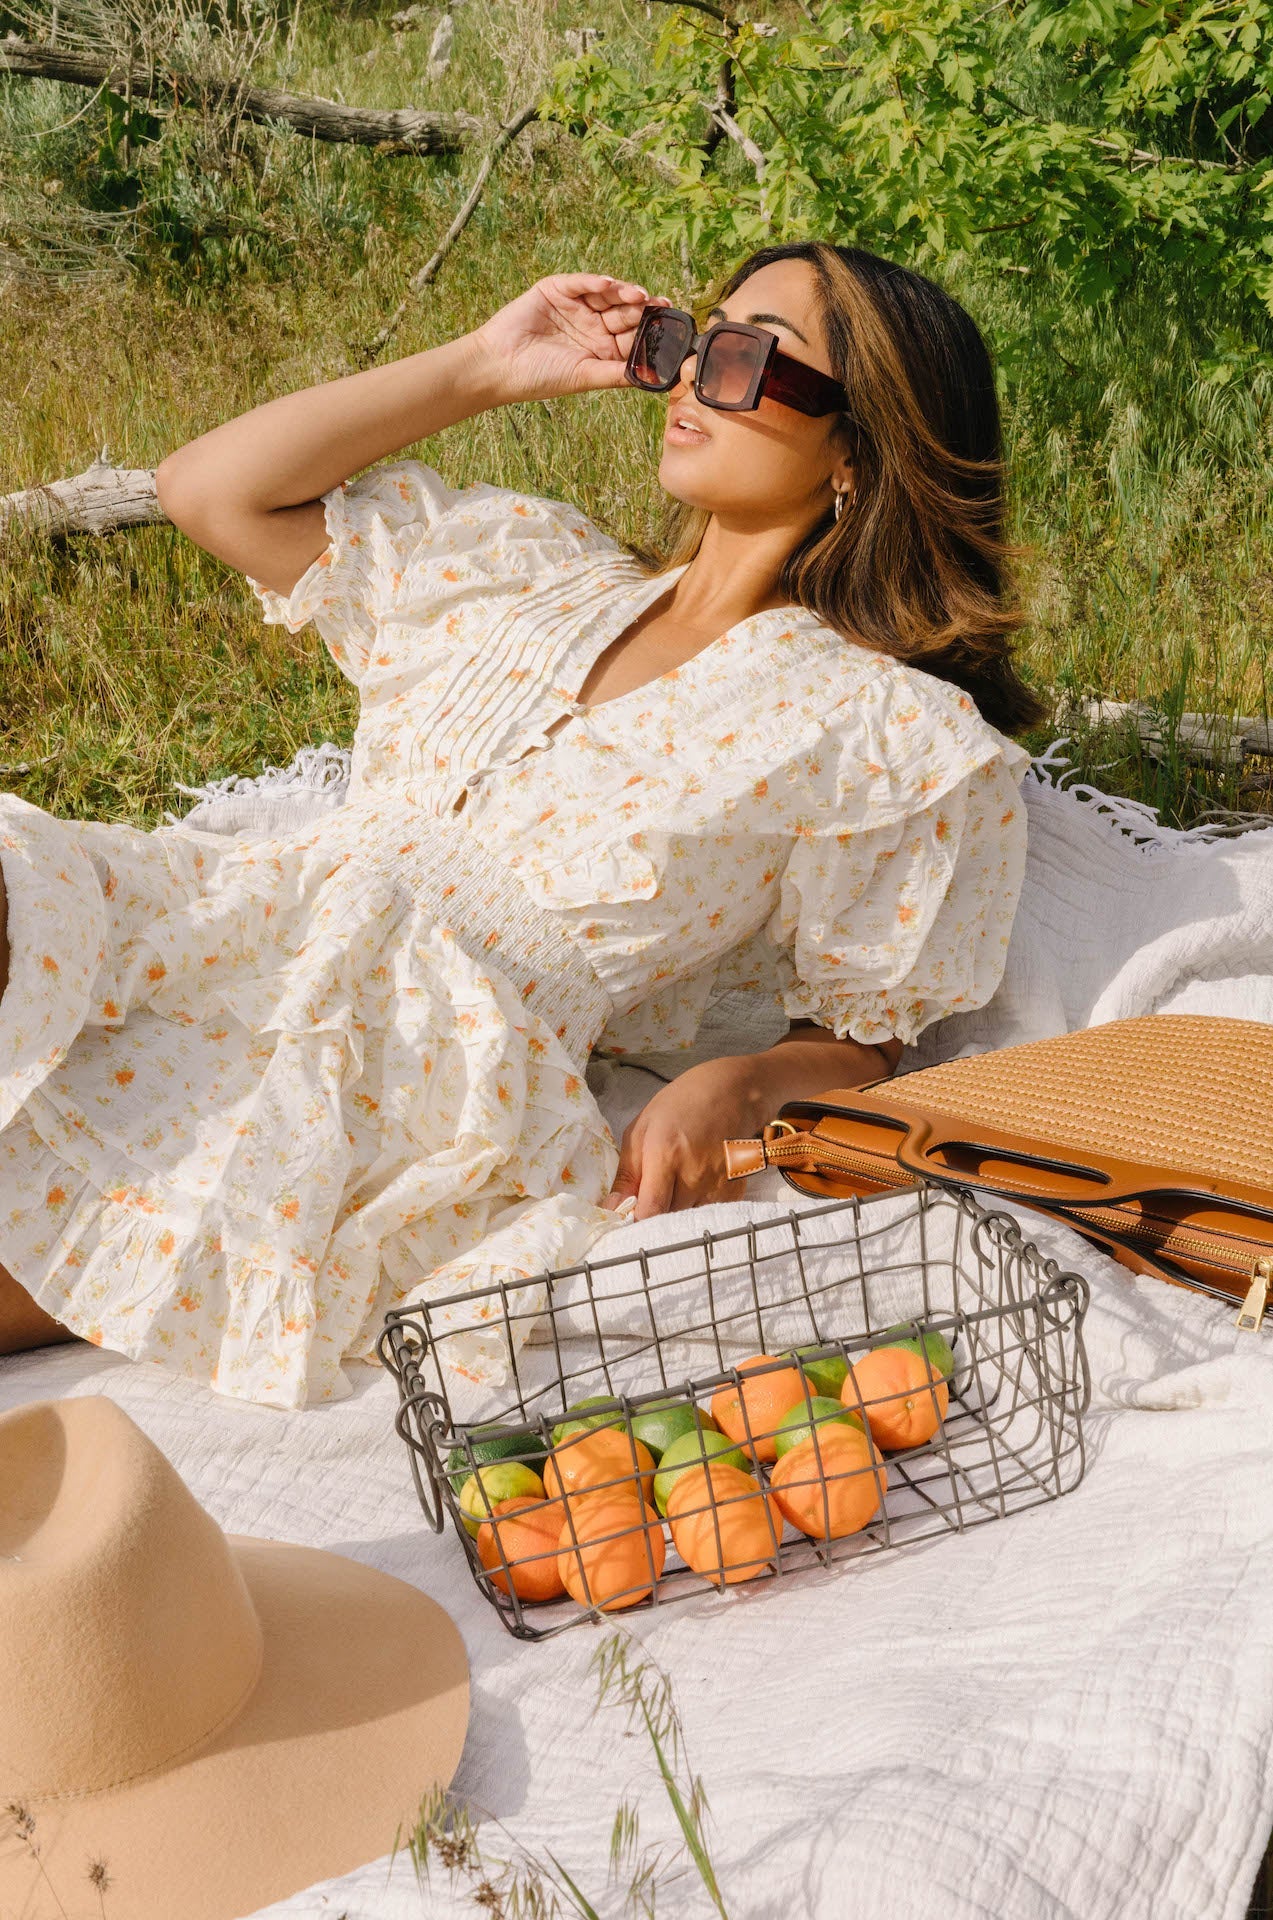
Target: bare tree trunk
(100,500)
(398,130)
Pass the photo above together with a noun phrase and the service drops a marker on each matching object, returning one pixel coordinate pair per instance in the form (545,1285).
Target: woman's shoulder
(875,697)
(895,739)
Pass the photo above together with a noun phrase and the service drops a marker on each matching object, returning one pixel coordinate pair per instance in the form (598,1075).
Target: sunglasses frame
(777,376)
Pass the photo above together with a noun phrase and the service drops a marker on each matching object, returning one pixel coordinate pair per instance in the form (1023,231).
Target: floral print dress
(254,1093)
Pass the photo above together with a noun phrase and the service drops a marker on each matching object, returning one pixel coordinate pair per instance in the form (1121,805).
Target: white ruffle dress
(255,1093)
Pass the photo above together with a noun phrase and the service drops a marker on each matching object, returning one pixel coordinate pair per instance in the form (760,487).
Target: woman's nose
(685,378)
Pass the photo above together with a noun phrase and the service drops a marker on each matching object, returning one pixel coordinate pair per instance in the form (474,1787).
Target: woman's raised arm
(251,491)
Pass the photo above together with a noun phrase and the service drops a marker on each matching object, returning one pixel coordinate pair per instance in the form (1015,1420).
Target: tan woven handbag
(1154,1137)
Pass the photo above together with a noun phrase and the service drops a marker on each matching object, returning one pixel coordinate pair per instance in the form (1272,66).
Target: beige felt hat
(218,1721)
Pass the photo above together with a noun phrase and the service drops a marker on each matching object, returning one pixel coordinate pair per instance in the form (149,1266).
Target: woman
(257,1094)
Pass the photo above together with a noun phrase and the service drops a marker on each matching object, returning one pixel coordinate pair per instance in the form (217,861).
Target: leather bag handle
(954,1151)
(946,1149)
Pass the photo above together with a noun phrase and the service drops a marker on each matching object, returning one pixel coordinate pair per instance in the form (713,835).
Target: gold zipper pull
(745,1157)
(1257,1298)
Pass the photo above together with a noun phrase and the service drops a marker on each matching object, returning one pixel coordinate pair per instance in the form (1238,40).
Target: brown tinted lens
(664,343)
(729,363)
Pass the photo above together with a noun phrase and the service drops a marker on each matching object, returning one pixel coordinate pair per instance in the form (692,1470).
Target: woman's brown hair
(917,567)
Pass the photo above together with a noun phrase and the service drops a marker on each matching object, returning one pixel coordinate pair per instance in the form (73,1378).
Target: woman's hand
(673,1154)
(569,333)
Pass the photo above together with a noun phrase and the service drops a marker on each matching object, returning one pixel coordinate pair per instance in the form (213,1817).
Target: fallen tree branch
(102,499)
(1216,739)
(428,272)
(730,127)
(396,130)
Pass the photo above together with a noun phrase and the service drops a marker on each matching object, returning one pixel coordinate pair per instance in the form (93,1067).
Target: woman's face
(773,465)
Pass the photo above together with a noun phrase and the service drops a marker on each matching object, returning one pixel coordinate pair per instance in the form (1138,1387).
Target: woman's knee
(23,1325)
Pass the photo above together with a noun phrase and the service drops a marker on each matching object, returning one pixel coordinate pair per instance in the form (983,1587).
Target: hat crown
(127,1634)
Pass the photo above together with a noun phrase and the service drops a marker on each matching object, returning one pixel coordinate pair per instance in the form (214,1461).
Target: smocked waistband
(487,911)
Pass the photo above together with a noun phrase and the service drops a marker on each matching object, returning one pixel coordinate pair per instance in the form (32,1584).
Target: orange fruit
(611,1551)
(750,1413)
(602,1459)
(724,1524)
(520,1545)
(831,1484)
(903,1395)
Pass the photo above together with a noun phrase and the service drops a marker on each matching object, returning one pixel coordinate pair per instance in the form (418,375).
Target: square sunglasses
(734,365)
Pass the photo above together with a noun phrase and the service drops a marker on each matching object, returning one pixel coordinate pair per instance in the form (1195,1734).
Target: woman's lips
(685,436)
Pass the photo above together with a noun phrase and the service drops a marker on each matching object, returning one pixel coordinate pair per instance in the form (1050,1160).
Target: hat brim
(360,1711)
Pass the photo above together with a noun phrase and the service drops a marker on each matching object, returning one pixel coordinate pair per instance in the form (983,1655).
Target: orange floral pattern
(254,1093)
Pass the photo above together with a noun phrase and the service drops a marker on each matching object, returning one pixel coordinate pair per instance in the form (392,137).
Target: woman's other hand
(673,1154)
(569,333)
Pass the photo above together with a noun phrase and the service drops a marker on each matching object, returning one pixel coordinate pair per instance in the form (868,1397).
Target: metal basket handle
(426,1466)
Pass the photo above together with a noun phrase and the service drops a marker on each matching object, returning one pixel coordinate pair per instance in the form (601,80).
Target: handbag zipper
(1179,1241)
(1175,1240)
(825,1153)
(795,1146)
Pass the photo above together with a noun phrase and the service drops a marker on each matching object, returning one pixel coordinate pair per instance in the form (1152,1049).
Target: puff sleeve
(885,928)
(401,543)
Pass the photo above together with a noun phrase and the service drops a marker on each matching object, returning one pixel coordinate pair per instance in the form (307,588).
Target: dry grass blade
(446,1833)
(582,1905)
(24,1828)
(627,1676)
(429,271)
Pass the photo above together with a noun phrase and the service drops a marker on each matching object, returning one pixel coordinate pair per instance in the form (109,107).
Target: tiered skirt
(253,1094)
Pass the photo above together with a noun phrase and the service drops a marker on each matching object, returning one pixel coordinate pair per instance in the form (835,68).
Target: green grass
(133,663)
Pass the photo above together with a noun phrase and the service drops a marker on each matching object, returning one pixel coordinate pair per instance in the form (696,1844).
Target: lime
(577,1419)
(689,1451)
(933,1345)
(825,1375)
(487,1444)
(800,1424)
(657,1426)
(503,1480)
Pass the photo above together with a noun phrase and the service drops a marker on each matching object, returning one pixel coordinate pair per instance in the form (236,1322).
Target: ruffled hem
(137,1276)
(57,941)
(871,1018)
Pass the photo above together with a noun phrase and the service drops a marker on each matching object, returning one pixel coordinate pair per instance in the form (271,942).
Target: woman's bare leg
(22,1324)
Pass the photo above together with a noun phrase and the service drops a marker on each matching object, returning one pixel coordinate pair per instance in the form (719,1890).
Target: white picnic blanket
(1066,1715)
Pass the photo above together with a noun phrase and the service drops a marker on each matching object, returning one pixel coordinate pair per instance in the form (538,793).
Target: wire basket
(634,1500)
